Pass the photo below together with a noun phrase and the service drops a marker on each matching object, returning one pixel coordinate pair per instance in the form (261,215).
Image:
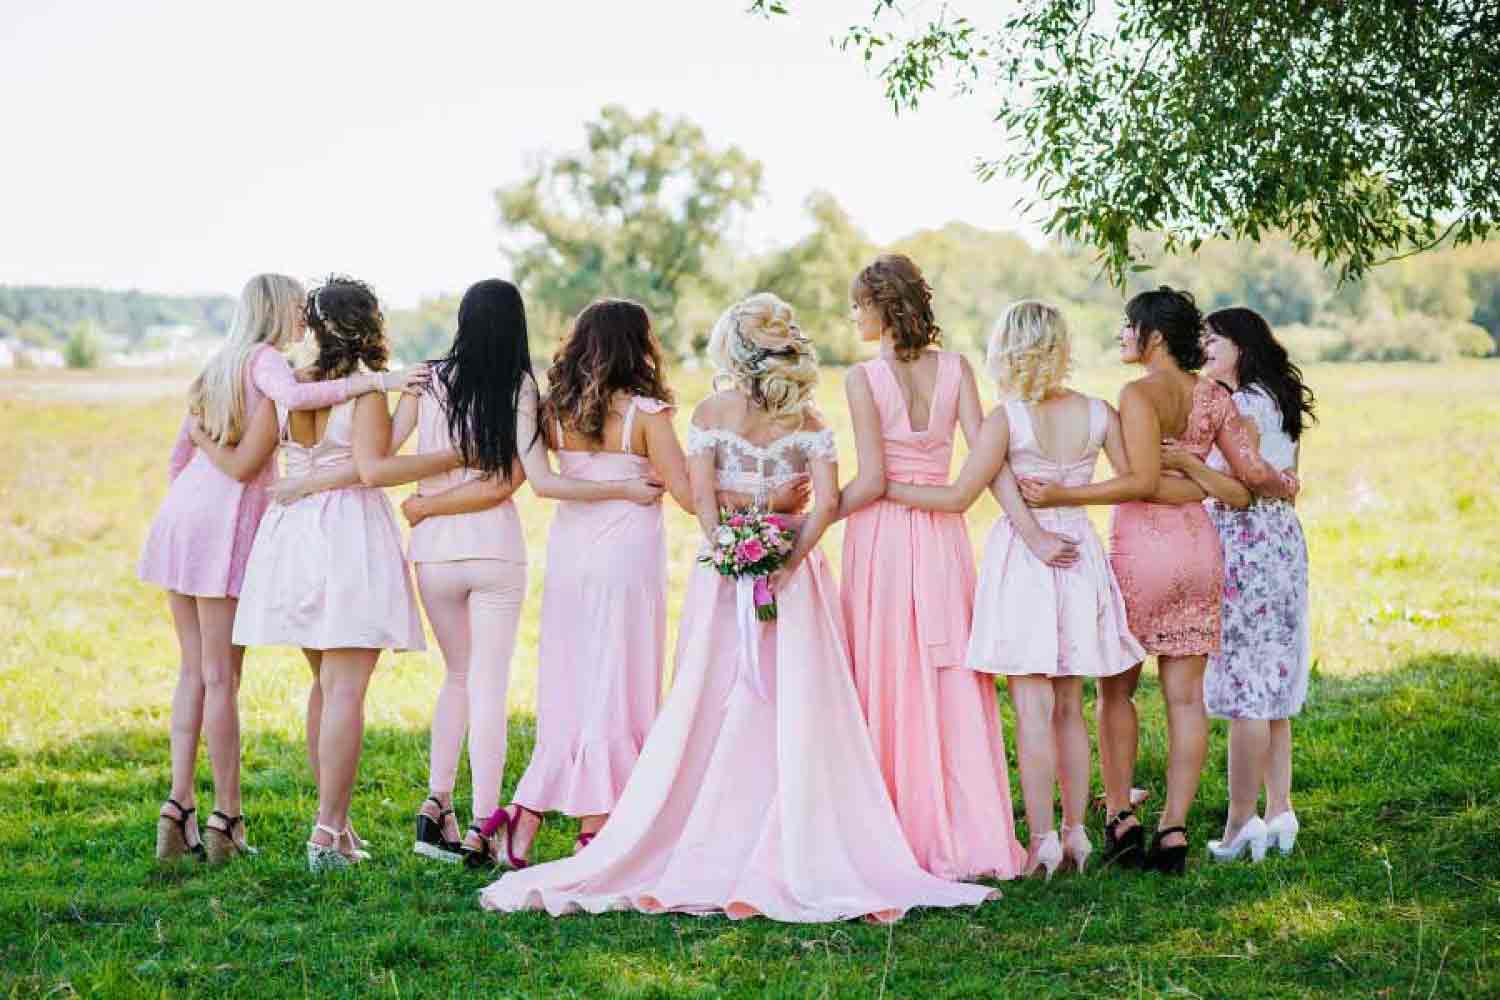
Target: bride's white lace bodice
(742,466)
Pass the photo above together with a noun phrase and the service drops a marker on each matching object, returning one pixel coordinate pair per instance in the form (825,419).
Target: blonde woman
(200,540)
(1049,432)
(756,792)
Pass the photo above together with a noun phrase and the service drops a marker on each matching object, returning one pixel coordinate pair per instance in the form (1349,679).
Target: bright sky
(181,147)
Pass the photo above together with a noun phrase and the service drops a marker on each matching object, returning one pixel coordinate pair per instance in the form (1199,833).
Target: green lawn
(1395,890)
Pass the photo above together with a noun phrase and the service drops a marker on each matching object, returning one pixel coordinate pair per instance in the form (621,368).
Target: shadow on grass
(1395,785)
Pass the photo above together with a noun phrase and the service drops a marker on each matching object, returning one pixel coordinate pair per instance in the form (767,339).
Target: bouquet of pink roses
(752,544)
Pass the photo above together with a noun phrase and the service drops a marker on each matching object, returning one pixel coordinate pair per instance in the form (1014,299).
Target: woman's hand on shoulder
(1039,493)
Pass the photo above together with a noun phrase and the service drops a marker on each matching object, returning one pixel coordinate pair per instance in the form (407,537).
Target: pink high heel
(502,819)
(584,839)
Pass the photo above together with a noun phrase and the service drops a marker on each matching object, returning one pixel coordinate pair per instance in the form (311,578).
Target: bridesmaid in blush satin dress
(756,793)
(908,593)
(1167,558)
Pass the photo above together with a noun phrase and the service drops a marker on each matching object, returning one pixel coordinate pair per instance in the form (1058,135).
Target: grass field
(1394,892)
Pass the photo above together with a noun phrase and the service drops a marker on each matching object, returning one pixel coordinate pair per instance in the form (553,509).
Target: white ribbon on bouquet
(748,666)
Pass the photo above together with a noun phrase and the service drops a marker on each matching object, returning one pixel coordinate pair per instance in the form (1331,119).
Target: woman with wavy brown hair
(608,417)
(908,588)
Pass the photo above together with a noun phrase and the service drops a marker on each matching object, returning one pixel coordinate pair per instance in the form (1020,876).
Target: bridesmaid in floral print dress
(1168,561)
(1259,679)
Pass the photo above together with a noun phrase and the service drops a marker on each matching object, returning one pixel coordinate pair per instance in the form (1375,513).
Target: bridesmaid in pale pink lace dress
(935,724)
(756,793)
(200,540)
(1168,561)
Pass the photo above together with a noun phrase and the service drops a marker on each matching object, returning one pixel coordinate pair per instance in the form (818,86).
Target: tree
(813,275)
(1362,131)
(82,349)
(636,213)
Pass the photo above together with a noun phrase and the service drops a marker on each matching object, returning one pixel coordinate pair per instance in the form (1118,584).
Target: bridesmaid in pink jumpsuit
(908,592)
(200,540)
(1168,560)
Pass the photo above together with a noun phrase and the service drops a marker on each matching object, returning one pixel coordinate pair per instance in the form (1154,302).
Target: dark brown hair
(345,318)
(610,349)
(894,285)
(1172,313)
(1264,362)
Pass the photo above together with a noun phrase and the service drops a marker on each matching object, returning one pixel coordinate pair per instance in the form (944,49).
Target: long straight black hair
(482,375)
(1264,362)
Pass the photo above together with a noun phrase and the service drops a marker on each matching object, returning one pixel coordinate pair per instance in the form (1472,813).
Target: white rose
(724,536)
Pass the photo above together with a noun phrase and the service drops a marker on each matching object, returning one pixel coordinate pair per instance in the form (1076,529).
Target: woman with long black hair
(467,544)
(1258,679)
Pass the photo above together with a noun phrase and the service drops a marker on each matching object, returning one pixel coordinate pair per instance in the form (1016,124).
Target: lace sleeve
(273,377)
(700,439)
(1236,441)
(819,445)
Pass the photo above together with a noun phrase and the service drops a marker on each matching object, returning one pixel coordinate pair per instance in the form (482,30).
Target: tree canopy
(637,213)
(1361,131)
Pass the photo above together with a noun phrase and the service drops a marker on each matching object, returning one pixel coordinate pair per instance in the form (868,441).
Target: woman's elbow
(369,474)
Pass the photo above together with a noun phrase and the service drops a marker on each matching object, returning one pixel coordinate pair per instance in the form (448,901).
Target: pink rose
(776,521)
(751,551)
(737,521)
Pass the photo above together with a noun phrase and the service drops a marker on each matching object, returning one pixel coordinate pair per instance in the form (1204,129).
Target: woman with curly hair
(326,572)
(1167,559)
(934,724)
(221,478)
(756,793)
(608,417)
(1045,626)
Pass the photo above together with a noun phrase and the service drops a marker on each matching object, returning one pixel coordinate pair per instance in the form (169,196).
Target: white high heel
(326,857)
(1282,831)
(1076,847)
(1251,838)
(1046,856)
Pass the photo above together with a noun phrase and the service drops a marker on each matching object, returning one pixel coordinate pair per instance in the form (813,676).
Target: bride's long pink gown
(742,802)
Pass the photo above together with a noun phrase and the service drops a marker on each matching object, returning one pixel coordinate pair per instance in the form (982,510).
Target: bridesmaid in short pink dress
(1168,560)
(756,793)
(908,596)
(200,540)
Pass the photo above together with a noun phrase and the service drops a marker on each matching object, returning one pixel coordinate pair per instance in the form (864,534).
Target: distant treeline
(1436,305)
(46,317)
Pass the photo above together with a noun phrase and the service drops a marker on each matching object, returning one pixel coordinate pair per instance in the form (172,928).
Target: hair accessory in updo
(758,345)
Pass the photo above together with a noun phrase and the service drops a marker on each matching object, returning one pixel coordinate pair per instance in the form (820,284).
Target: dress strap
(1098,423)
(1020,424)
(558,431)
(944,413)
(627,424)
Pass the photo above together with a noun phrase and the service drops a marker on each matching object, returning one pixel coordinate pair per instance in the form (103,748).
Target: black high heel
(1126,849)
(482,857)
(1167,860)
(430,841)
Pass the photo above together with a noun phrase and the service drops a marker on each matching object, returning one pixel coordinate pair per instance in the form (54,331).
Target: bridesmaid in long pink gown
(908,590)
(756,792)
(200,540)
(608,416)
(1168,560)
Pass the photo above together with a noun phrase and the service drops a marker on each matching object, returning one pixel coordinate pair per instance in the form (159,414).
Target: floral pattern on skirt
(1261,669)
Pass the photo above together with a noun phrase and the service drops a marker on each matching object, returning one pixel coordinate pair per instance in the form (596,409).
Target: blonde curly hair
(757,344)
(1030,354)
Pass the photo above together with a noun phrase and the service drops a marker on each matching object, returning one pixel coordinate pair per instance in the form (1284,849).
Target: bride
(756,793)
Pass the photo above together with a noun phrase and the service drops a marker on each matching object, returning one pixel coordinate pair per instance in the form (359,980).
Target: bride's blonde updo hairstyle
(756,344)
(1029,354)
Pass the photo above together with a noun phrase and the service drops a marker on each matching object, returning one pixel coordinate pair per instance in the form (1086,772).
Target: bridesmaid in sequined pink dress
(1168,560)
(201,536)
